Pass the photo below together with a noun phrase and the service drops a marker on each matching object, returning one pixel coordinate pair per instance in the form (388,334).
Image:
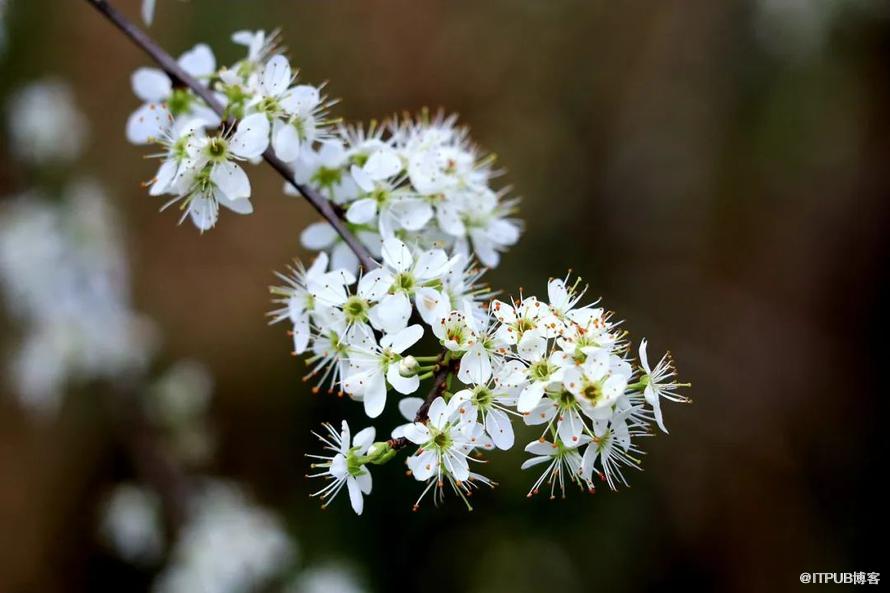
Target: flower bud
(380,452)
(408,366)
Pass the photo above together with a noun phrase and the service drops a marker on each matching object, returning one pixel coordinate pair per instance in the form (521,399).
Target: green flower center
(355,309)
(327,177)
(404,282)
(180,102)
(218,149)
(541,370)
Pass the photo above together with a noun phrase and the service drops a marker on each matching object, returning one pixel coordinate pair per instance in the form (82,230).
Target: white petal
(401,341)
(151,84)
(541,448)
(301,335)
(530,397)
(148,11)
(375,394)
(286,142)
(557,294)
(364,439)
(425,465)
(301,99)
(432,305)
(343,257)
(533,462)
(231,180)
(431,264)
(163,178)
(449,219)
(475,366)
(203,212)
(499,428)
(397,255)
(362,179)
(570,428)
(375,284)
(364,482)
(503,312)
(361,211)
(392,313)
(276,75)
(239,205)
(147,123)
(404,385)
(438,412)
(251,138)
(355,495)
(198,61)
(417,433)
(318,235)
(532,346)
(383,164)
(408,407)
(412,213)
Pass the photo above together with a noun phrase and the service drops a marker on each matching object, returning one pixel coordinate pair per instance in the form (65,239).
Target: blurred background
(718,172)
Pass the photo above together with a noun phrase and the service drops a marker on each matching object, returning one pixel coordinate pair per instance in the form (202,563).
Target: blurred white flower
(64,279)
(45,127)
(228,545)
(327,578)
(131,524)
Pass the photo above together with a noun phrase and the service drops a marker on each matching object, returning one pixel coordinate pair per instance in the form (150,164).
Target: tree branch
(183,78)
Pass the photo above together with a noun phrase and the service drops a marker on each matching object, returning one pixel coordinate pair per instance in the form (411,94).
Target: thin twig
(183,78)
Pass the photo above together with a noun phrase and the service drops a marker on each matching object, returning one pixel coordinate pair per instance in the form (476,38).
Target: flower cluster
(552,363)
(200,151)
(419,179)
(419,199)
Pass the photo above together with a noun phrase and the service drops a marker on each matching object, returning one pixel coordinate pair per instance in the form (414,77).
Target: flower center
(179,103)
(540,370)
(355,309)
(218,149)
(404,282)
(327,177)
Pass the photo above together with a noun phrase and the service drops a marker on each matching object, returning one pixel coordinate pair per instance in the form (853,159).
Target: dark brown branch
(183,78)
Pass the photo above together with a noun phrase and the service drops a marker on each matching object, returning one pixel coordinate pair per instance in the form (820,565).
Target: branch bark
(180,77)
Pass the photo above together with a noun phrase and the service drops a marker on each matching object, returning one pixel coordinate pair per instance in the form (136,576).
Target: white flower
(517,319)
(445,444)
(542,371)
(404,274)
(598,383)
(563,465)
(209,177)
(613,448)
(228,545)
(345,466)
(45,126)
(325,170)
(372,368)
(493,407)
(394,208)
(296,299)
(659,383)
(161,101)
(297,111)
(131,524)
